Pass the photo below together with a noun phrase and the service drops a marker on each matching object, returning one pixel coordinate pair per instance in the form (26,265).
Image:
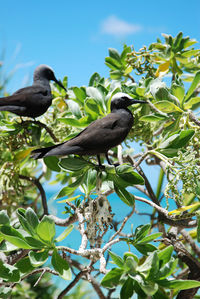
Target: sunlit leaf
(168,107)
(182,209)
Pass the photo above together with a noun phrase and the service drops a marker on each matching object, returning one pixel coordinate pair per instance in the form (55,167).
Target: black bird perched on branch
(32,101)
(100,136)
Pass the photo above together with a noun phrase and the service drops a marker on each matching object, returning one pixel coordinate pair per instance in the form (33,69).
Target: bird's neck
(124,111)
(42,81)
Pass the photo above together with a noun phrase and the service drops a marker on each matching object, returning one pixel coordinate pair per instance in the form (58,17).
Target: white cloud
(116,27)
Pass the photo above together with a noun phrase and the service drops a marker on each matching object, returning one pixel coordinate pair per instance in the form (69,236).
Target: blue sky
(73,37)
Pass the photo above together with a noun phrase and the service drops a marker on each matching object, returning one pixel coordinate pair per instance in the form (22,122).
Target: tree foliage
(163,257)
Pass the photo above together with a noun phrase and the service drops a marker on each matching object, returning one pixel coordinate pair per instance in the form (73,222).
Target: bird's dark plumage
(32,101)
(100,136)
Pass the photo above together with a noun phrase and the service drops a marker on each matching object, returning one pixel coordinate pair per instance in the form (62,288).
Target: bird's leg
(99,161)
(107,158)
(109,162)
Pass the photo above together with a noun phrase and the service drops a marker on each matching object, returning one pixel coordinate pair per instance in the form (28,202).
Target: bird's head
(45,72)
(122,100)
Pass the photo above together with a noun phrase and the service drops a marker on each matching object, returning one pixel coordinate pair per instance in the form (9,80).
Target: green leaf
(123,57)
(94,93)
(52,163)
(154,273)
(130,265)
(14,237)
(64,234)
(61,265)
(152,118)
(74,108)
(91,108)
(145,248)
(168,107)
(126,173)
(190,53)
(70,188)
(178,91)
(32,218)
(95,78)
(193,86)
(165,254)
(7,246)
(179,284)
(116,259)
(111,279)
(141,231)
(46,229)
(80,94)
(127,289)
(5,292)
(24,265)
(35,243)
(73,164)
(78,123)
(91,179)
(128,253)
(178,140)
(4,219)
(113,64)
(114,54)
(66,191)
(177,41)
(150,262)
(168,268)
(151,237)
(22,218)
(37,259)
(124,195)
(9,273)
(191,102)
(115,75)
(149,288)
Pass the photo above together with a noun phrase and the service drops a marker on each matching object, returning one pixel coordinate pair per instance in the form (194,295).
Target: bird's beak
(133,101)
(59,83)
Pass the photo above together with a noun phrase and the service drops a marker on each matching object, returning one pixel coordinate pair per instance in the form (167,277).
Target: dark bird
(32,101)
(100,136)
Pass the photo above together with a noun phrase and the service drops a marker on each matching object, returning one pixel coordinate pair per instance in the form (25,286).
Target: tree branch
(44,126)
(192,243)
(71,285)
(64,222)
(37,183)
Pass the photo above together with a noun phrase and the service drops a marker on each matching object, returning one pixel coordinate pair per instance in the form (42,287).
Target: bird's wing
(105,132)
(98,137)
(24,95)
(34,89)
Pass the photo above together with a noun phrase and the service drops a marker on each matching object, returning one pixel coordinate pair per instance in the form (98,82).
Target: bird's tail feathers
(41,152)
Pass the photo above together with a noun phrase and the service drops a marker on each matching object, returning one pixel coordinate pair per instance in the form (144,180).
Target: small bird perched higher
(32,101)
(100,136)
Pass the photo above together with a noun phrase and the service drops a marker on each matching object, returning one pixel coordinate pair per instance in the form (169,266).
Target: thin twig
(156,109)
(64,222)
(81,227)
(13,258)
(71,285)
(122,226)
(97,287)
(193,118)
(164,216)
(192,243)
(37,183)
(36,271)
(44,126)
(40,277)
